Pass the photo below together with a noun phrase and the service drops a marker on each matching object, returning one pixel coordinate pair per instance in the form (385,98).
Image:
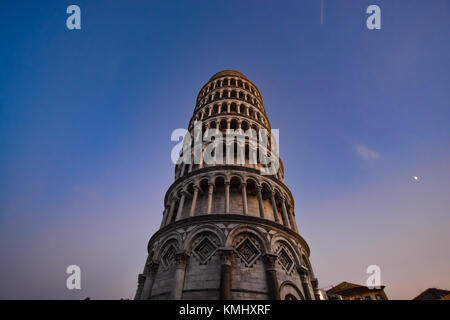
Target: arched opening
(278,205)
(245,126)
(218,198)
(248,267)
(236,206)
(202,200)
(177,205)
(234,124)
(223,125)
(252,200)
(267,205)
(233,107)
(188,201)
(224,108)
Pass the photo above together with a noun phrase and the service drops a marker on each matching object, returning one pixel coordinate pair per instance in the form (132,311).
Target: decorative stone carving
(285,260)
(168,257)
(204,250)
(247,251)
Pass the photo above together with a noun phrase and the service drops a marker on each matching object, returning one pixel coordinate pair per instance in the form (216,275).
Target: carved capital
(225,255)
(303,271)
(181,259)
(270,259)
(186,193)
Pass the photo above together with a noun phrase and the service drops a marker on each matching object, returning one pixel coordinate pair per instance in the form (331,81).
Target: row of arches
(235,193)
(186,263)
(239,126)
(241,153)
(266,245)
(229,94)
(230,107)
(228,82)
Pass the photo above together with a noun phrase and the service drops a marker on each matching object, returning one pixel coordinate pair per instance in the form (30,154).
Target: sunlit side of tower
(228,231)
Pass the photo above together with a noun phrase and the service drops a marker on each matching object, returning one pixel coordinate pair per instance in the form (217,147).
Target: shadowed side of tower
(228,229)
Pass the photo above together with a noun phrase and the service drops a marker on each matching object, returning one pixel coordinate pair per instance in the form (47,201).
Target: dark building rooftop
(432,294)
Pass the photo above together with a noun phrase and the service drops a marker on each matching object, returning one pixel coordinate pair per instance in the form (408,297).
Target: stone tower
(228,231)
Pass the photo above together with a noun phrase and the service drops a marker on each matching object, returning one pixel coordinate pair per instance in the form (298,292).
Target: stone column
(182,169)
(274,206)
(315,285)
(177,172)
(181,260)
(285,214)
(210,193)
(194,201)
(260,203)
(200,166)
(141,280)
(271,273)
(255,157)
(293,222)
(244,197)
(225,273)
(208,126)
(304,279)
(172,209)
(227,196)
(152,269)
(164,218)
(180,207)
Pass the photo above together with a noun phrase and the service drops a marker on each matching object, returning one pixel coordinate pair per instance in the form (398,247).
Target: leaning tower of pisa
(228,228)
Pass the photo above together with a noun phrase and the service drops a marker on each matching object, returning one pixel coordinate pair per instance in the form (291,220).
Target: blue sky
(86,118)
